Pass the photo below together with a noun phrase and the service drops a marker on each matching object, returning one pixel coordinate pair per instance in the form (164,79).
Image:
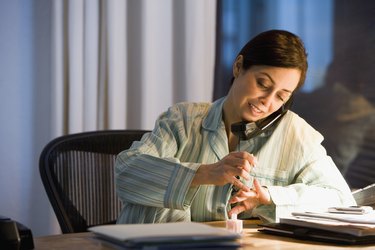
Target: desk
(252,239)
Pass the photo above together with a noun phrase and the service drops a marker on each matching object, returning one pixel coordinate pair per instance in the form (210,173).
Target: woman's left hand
(251,199)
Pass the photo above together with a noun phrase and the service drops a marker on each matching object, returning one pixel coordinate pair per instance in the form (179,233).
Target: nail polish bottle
(234,225)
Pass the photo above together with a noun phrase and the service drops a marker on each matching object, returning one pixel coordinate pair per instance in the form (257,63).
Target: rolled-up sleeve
(150,172)
(310,180)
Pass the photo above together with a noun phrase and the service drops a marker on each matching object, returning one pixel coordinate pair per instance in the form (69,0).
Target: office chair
(77,172)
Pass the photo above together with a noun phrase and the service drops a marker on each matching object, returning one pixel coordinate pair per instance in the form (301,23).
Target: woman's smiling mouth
(255,109)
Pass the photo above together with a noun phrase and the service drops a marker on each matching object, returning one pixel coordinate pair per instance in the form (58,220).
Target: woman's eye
(262,84)
(283,97)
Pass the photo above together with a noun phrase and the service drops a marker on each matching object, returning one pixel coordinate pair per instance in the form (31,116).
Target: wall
(24,92)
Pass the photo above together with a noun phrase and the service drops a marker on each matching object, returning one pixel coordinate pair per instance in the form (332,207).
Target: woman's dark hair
(277,48)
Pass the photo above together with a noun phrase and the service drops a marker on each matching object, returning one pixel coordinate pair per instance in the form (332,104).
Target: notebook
(174,235)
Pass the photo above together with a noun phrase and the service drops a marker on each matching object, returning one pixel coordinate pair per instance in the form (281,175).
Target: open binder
(365,196)
(308,233)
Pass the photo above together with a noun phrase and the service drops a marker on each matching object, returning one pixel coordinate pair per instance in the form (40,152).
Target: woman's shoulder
(191,109)
(193,105)
(299,127)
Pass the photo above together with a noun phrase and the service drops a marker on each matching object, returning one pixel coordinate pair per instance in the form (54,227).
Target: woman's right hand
(226,171)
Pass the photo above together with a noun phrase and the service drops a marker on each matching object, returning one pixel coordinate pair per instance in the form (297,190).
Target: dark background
(342,108)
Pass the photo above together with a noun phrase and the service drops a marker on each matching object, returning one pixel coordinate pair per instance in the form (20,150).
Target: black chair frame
(77,171)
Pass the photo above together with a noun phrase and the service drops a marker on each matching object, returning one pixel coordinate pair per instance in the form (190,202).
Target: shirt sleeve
(317,186)
(298,173)
(150,173)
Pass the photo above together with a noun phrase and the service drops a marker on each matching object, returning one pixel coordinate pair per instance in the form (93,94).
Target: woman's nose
(266,100)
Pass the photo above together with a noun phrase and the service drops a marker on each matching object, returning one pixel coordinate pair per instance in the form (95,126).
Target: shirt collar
(214,119)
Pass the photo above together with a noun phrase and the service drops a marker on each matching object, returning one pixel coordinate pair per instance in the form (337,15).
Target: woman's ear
(237,66)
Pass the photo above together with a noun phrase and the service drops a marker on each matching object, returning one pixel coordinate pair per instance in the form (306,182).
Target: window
(339,94)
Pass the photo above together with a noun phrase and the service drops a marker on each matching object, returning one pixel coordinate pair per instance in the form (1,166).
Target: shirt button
(220,210)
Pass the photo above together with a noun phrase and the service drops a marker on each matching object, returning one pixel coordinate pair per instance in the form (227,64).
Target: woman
(192,167)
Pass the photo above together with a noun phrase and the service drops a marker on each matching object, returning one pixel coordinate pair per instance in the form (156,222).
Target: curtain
(118,64)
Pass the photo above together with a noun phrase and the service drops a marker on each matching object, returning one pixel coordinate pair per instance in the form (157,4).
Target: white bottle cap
(234,225)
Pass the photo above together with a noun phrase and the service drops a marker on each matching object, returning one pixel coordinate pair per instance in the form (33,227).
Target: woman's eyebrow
(273,82)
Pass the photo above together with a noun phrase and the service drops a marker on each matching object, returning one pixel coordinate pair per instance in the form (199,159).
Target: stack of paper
(177,235)
(325,226)
(354,224)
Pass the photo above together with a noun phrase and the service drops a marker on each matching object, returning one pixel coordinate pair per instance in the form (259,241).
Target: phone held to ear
(247,130)
(14,235)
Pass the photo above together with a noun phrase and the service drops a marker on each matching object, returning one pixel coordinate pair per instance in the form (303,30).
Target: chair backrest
(77,172)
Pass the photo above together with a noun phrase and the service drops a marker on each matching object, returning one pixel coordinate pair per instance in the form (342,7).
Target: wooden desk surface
(252,239)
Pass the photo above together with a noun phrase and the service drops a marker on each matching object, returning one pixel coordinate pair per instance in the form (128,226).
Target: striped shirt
(153,177)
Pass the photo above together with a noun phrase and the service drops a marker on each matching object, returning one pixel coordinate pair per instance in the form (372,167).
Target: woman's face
(261,90)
